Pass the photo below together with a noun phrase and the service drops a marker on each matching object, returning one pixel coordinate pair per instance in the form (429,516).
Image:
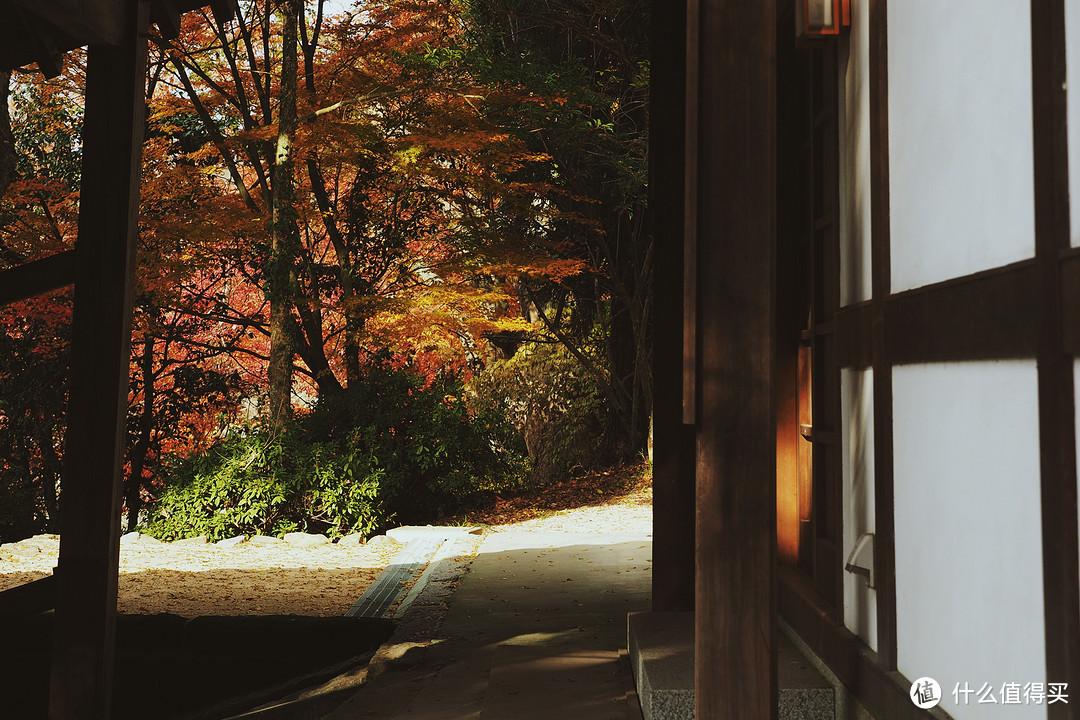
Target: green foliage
(580,76)
(255,483)
(391,450)
(557,407)
(47,131)
(434,455)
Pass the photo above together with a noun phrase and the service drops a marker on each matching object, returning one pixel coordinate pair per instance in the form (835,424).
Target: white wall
(857,422)
(1072,66)
(854,144)
(960,138)
(969,592)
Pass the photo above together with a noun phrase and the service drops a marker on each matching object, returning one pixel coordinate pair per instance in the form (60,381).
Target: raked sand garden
(306,575)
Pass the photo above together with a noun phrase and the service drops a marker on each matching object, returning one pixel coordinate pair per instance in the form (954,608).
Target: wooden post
(1057,413)
(81,682)
(736,440)
(673,450)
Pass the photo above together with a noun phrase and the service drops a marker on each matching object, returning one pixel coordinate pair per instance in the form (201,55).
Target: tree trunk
(354,322)
(7,139)
(283,240)
(133,491)
(50,471)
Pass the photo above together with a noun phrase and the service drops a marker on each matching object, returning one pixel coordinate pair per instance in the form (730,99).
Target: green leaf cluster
(393,450)
(556,406)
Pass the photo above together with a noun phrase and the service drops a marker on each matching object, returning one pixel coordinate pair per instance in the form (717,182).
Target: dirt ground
(324,581)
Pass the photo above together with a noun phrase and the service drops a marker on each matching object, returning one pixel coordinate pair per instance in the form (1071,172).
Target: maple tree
(387,145)
(184,381)
(33,389)
(410,184)
(38,208)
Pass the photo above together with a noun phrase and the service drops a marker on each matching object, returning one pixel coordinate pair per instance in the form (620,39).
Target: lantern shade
(819,19)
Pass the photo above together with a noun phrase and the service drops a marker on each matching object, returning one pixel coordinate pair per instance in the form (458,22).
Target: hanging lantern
(819,19)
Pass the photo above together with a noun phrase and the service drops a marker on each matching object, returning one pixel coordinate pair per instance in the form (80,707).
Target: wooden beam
(224,10)
(37,277)
(978,317)
(883,692)
(1057,414)
(88,21)
(983,316)
(690,219)
(673,450)
(25,39)
(166,16)
(881,284)
(82,664)
(30,598)
(736,442)
(853,326)
(1070,301)
(36,31)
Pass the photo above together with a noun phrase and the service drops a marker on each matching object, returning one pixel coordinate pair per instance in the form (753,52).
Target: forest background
(393,260)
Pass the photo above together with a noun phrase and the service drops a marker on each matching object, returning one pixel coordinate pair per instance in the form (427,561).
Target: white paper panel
(969,594)
(960,138)
(1072,59)
(855,158)
(857,407)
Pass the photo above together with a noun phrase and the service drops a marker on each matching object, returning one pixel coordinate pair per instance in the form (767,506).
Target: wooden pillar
(882,363)
(81,682)
(736,441)
(673,449)
(1057,413)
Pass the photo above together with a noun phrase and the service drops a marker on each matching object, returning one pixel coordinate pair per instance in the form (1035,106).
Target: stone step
(661,646)
(529,682)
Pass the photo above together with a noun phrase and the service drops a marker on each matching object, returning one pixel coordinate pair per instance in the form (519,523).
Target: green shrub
(392,450)
(256,483)
(557,408)
(436,455)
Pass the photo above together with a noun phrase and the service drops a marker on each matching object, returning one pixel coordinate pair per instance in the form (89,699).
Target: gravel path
(193,580)
(279,579)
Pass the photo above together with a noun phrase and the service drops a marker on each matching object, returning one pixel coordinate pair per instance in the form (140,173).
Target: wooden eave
(41,31)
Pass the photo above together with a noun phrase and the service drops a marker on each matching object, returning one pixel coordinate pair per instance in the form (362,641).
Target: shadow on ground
(534,630)
(171,667)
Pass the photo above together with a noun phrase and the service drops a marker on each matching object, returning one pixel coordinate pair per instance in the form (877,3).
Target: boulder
(197,540)
(351,539)
(300,539)
(138,539)
(39,543)
(408,533)
(263,540)
(384,541)
(231,542)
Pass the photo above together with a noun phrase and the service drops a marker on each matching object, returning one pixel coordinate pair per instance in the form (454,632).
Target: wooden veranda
(101,267)
(715,452)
